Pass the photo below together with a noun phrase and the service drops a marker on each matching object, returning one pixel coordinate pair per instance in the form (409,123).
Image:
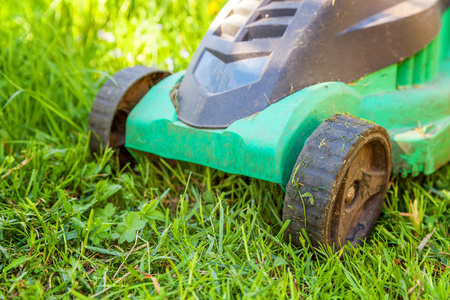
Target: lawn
(75,225)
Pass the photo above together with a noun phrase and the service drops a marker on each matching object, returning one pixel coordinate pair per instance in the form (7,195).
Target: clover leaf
(127,229)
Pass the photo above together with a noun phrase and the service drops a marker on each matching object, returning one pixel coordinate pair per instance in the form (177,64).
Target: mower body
(252,96)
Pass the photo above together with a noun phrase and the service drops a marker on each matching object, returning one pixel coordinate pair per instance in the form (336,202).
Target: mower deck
(266,145)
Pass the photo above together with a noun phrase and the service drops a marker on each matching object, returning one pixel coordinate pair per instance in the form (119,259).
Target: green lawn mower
(327,98)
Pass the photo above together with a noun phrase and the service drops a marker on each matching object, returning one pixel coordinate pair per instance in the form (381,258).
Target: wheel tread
(317,169)
(110,95)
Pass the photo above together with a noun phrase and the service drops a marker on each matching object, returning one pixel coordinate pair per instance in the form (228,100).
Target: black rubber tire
(115,100)
(339,183)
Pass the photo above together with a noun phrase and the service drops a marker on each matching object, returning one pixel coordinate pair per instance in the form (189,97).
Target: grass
(74,225)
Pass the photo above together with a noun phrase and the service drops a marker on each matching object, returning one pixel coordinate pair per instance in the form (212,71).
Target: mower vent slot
(259,19)
(271,20)
(230,26)
(237,19)
(267,28)
(245,8)
(278,9)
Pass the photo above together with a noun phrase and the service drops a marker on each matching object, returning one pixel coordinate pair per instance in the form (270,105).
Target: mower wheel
(339,183)
(115,100)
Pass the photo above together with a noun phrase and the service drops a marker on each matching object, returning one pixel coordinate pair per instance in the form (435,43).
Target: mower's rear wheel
(339,182)
(115,100)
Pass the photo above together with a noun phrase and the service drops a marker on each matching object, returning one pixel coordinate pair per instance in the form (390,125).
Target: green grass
(73,225)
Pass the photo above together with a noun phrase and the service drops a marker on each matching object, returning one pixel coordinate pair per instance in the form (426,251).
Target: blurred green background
(57,52)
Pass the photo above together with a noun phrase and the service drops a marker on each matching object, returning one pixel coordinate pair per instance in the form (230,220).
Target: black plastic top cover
(257,52)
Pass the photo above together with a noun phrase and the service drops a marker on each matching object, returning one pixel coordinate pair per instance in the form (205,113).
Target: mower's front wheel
(339,182)
(115,100)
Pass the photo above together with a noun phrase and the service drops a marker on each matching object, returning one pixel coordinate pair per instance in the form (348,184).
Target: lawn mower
(327,98)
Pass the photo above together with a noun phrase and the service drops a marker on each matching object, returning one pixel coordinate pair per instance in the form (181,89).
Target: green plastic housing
(410,99)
